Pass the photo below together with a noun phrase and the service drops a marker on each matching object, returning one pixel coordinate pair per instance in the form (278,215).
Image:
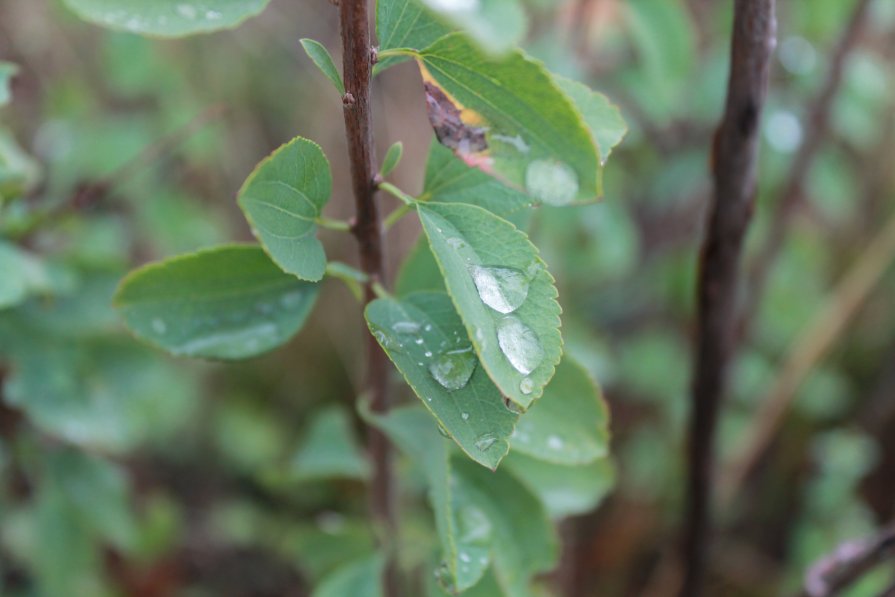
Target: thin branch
(811,346)
(847,564)
(357,66)
(734,176)
(815,130)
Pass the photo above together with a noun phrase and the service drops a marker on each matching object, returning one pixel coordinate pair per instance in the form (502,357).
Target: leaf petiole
(332,224)
(396,192)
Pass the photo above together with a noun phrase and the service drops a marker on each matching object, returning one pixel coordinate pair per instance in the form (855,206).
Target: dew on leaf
(513,407)
(554,442)
(485,441)
(187,11)
(464,416)
(526,385)
(159,326)
(554,183)
(504,289)
(453,369)
(405,327)
(520,344)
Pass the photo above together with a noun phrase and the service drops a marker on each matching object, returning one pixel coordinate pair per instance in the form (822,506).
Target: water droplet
(213,15)
(454,5)
(453,369)
(554,442)
(405,327)
(516,141)
(443,431)
(418,341)
(526,385)
(473,526)
(464,557)
(552,182)
(464,416)
(291,300)
(186,11)
(455,243)
(504,289)
(159,326)
(512,406)
(428,354)
(485,441)
(428,327)
(520,344)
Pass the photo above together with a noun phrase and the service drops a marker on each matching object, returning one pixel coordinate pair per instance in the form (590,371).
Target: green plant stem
(357,67)
(331,224)
(392,218)
(397,193)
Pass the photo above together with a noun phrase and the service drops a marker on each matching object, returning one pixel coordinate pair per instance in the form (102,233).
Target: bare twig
(357,66)
(734,174)
(847,564)
(815,130)
(829,322)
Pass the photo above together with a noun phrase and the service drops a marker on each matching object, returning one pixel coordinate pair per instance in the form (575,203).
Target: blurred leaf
(404,24)
(419,271)
(450,180)
(8,70)
(487,587)
(602,117)
(570,423)
(250,437)
(322,547)
(282,198)
(229,302)
(425,338)
(330,449)
(503,292)
(524,541)
(464,532)
(508,117)
(18,171)
(496,26)
(564,490)
(392,157)
(21,274)
(167,18)
(318,53)
(359,579)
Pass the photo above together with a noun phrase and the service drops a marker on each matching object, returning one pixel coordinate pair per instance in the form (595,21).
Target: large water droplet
(520,344)
(405,327)
(552,182)
(504,289)
(453,369)
(485,441)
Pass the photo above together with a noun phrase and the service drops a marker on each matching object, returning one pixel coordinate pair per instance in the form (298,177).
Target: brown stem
(357,66)
(815,130)
(734,173)
(847,564)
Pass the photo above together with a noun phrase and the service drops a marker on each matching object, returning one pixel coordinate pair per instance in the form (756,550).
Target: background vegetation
(125,472)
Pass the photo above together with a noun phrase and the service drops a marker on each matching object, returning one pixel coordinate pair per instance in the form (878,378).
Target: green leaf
(19,172)
(7,71)
(496,26)
(450,180)
(21,274)
(569,424)
(362,578)
(463,531)
(419,271)
(392,157)
(602,117)
(230,302)
(503,292)
(330,450)
(564,490)
(425,338)
(404,24)
(508,117)
(524,542)
(282,199)
(319,55)
(167,18)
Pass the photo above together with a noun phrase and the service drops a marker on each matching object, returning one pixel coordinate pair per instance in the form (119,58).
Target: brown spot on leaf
(449,127)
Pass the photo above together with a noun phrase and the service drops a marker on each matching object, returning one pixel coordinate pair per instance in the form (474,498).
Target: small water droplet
(552,182)
(291,300)
(455,243)
(504,289)
(405,327)
(428,327)
(213,15)
(428,354)
(554,442)
(453,369)
(464,416)
(526,385)
(187,11)
(159,326)
(485,441)
(443,431)
(520,344)
(464,557)
(513,407)
(418,341)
